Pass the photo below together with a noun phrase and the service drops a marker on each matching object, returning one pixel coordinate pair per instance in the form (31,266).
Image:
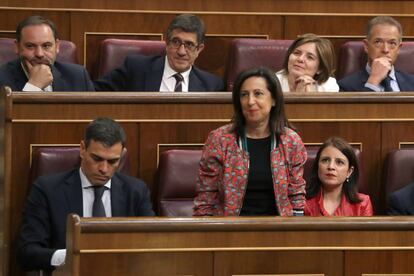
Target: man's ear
(82,149)
(365,41)
(57,45)
(16,47)
(200,47)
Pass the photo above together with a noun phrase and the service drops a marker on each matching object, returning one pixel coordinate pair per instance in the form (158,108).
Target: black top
(259,199)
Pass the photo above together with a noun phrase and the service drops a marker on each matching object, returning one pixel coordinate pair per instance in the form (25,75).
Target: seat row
(178,169)
(244,53)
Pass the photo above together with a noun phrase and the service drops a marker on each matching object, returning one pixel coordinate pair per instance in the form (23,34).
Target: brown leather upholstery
(352,58)
(7,52)
(246,53)
(66,54)
(47,160)
(398,170)
(114,51)
(177,175)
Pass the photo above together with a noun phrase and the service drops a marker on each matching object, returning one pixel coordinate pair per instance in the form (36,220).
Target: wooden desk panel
(240,246)
(153,121)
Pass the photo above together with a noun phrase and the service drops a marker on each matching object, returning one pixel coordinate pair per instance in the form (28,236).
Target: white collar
(86,183)
(391,74)
(169,72)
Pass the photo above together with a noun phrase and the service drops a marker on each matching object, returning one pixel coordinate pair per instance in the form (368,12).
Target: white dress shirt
(88,196)
(328,86)
(380,88)
(28,87)
(168,81)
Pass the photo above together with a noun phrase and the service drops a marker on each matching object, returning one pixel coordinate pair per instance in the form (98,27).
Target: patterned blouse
(224,168)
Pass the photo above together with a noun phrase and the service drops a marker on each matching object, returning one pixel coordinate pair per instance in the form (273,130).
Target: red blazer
(314,207)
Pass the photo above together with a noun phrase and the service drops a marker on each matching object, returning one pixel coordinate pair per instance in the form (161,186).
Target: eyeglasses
(391,44)
(188,45)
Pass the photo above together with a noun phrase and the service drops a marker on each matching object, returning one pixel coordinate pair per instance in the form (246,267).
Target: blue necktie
(98,209)
(386,83)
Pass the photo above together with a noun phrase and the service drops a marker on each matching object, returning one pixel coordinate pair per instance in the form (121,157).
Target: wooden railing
(239,246)
(155,122)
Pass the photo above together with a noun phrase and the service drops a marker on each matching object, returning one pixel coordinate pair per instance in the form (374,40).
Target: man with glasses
(382,45)
(173,72)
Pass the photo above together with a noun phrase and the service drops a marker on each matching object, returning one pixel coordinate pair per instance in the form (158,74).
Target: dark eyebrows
(99,158)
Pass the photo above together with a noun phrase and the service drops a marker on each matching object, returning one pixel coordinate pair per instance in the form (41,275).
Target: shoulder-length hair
(349,187)
(277,119)
(325,51)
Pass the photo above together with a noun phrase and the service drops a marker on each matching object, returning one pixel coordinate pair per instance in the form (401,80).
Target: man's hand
(40,75)
(380,68)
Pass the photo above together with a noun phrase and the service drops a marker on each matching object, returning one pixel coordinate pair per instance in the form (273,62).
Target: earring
(347,180)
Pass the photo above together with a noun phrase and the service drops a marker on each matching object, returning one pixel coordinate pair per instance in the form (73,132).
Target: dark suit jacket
(53,197)
(66,77)
(356,81)
(144,73)
(401,202)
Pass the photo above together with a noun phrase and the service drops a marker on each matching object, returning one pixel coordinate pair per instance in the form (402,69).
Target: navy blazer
(356,82)
(144,73)
(401,202)
(66,77)
(53,197)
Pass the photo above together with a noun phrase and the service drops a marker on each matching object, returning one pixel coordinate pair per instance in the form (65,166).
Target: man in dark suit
(94,189)
(36,69)
(401,202)
(382,45)
(173,72)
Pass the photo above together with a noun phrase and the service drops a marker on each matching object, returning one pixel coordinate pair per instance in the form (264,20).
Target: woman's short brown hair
(326,55)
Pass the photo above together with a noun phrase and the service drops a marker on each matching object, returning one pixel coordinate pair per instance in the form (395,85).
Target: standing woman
(309,66)
(253,166)
(332,189)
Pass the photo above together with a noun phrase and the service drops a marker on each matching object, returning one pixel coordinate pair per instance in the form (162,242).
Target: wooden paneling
(83,26)
(336,246)
(10,18)
(279,263)
(387,262)
(126,25)
(3,160)
(180,264)
(158,121)
(318,6)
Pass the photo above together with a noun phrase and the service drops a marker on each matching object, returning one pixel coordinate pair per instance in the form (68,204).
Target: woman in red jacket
(253,166)
(332,190)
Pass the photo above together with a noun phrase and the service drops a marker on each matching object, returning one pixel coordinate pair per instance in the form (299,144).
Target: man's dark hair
(106,131)
(35,20)
(188,23)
